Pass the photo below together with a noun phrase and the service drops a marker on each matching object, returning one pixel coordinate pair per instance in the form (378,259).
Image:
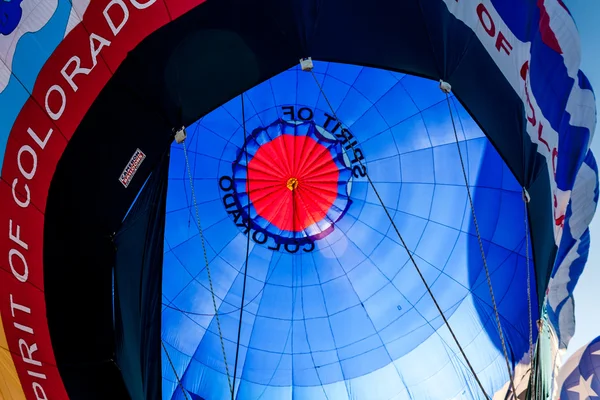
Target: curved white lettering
(95,51)
(25,275)
(140,5)
(63,102)
(76,71)
(27,149)
(111,24)
(21,203)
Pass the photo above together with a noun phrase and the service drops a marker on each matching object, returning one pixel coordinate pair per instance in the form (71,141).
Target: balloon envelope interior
(315,197)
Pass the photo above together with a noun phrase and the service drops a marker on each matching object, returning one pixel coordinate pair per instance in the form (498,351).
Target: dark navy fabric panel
(138,276)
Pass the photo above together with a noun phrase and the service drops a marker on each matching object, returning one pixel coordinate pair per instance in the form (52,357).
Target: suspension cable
(446,89)
(174,370)
(237,347)
(410,255)
(530,316)
(212,292)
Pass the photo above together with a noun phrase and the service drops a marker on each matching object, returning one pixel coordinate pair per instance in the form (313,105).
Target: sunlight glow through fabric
(333,307)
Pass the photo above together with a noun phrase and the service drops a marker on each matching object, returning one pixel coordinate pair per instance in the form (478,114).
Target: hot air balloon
(290,199)
(578,377)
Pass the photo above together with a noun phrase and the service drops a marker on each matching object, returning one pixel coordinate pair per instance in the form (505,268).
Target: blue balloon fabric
(10,16)
(339,311)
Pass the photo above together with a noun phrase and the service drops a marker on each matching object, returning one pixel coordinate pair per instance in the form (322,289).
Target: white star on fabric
(584,389)
(596,353)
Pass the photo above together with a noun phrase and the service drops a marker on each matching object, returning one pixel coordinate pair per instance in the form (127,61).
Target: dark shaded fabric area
(86,207)
(138,277)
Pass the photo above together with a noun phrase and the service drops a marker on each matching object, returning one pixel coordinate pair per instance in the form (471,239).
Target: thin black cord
(483,257)
(237,347)
(526,218)
(408,252)
(174,370)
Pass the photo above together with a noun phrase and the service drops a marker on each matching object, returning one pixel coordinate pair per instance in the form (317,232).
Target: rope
(525,201)
(237,347)
(212,292)
(174,370)
(408,251)
(485,266)
(538,386)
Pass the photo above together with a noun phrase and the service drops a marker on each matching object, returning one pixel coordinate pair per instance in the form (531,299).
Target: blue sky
(587,302)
